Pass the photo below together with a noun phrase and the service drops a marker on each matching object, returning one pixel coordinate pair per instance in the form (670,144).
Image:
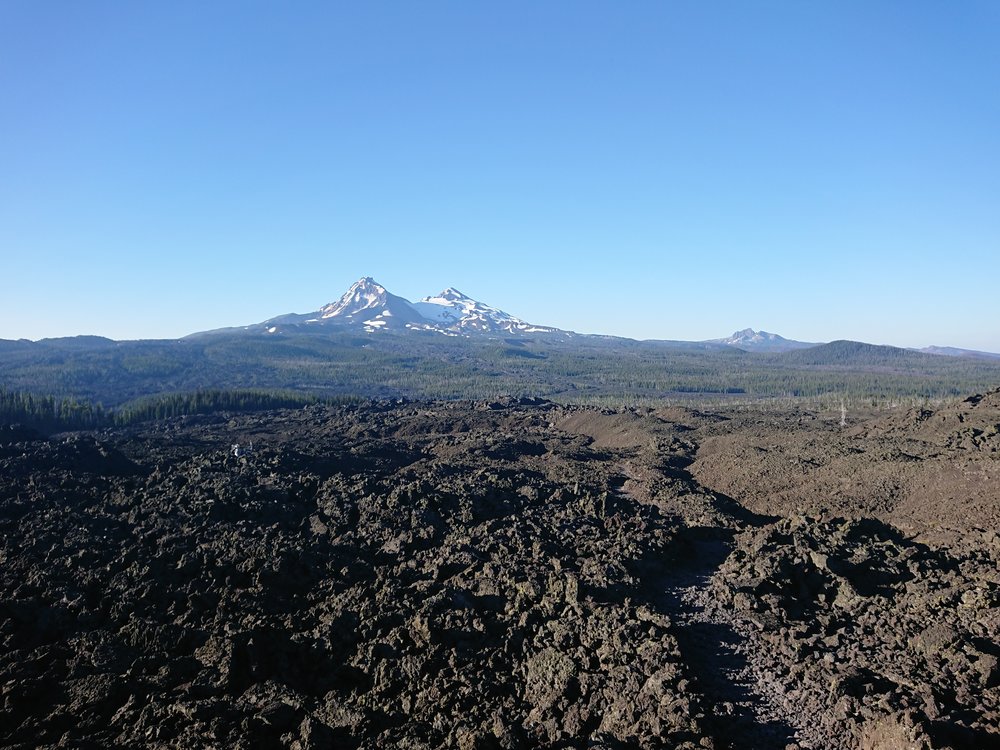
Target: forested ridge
(574,369)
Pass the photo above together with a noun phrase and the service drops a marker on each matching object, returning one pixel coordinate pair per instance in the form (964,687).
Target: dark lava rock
(507,574)
(18,433)
(410,576)
(883,642)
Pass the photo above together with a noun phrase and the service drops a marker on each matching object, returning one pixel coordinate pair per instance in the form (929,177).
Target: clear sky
(647,169)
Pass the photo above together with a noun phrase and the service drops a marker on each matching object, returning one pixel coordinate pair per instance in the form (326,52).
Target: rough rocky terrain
(505,575)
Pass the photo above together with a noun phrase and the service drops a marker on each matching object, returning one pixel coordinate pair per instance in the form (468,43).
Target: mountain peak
(749,339)
(369,303)
(448,296)
(367,284)
(364,294)
(460,313)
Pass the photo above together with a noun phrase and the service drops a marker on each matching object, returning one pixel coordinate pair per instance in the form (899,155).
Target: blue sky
(647,169)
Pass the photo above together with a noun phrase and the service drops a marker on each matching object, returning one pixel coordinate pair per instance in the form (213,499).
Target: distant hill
(78,342)
(951,351)
(855,354)
(8,345)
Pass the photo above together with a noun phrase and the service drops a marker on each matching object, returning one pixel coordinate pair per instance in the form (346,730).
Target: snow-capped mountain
(368,303)
(458,312)
(370,306)
(761,341)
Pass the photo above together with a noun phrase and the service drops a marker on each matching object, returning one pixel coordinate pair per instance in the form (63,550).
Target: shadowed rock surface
(501,575)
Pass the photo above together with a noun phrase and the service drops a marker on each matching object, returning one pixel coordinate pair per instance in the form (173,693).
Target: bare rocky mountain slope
(504,575)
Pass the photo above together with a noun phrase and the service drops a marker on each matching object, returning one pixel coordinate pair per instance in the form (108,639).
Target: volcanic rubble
(493,575)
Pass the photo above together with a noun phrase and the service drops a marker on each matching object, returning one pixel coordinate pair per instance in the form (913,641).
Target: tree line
(51,414)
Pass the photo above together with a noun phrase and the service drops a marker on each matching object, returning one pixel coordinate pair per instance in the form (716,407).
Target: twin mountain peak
(370,306)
